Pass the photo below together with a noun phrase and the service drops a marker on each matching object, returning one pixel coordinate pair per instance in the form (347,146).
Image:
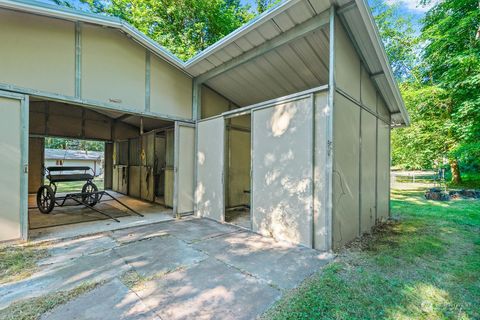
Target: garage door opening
(238,170)
(106,169)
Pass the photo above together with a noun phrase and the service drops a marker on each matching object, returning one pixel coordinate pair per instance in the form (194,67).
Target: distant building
(60,157)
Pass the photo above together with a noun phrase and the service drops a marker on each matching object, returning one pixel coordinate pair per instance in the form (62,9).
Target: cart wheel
(89,197)
(45,199)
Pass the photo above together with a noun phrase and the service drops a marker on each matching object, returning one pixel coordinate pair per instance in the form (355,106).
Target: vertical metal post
(197,100)
(376,160)
(313,150)
(78,60)
(24,116)
(329,133)
(360,158)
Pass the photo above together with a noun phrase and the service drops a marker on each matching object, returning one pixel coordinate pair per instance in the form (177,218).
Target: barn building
(282,127)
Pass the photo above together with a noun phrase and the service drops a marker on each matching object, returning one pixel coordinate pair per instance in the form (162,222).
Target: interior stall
(238,170)
(266,169)
(138,177)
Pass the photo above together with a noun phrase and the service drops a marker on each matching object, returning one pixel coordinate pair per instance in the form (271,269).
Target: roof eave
(374,35)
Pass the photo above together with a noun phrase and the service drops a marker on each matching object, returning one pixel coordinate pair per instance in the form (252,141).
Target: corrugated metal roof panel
(268,30)
(284,22)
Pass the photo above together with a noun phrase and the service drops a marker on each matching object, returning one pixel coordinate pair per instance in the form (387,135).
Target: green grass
(470,180)
(34,308)
(425,264)
(76,186)
(19,262)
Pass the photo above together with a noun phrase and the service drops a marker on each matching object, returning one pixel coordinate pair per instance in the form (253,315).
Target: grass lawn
(423,265)
(77,186)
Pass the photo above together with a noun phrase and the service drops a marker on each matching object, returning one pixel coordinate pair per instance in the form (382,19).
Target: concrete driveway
(193,268)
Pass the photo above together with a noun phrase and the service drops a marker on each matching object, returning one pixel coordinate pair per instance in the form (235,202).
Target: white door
(183,201)
(209,192)
(13,166)
(282,171)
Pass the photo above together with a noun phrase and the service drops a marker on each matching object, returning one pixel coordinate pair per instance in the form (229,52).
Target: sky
(405,6)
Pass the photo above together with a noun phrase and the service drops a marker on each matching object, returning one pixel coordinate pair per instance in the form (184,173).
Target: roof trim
(252,24)
(374,35)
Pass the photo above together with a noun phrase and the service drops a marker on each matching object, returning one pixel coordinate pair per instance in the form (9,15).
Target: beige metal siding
(10,169)
(346,144)
(282,177)
(37,52)
(113,68)
(347,64)
(170,90)
(320,231)
(369,93)
(212,103)
(368,172)
(383,174)
(209,193)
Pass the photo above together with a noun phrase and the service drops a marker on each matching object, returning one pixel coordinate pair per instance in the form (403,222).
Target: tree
(452,59)
(184,27)
(399,39)
(264,5)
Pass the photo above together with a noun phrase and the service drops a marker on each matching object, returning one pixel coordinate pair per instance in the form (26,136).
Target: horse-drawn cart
(88,197)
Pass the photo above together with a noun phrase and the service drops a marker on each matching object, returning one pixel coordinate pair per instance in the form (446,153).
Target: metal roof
(284,70)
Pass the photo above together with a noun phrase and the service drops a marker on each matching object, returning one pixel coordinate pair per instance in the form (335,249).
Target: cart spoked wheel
(89,195)
(45,199)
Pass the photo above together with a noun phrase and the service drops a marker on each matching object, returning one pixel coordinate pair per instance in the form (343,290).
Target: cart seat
(69,177)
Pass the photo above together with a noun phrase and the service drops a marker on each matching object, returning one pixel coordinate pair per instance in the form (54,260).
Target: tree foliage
(74,144)
(439,71)
(184,27)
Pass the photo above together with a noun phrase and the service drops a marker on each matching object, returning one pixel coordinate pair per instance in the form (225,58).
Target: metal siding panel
(171,90)
(369,93)
(11,169)
(346,127)
(320,192)
(113,68)
(282,178)
(367,179)
(209,192)
(347,64)
(37,52)
(383,171)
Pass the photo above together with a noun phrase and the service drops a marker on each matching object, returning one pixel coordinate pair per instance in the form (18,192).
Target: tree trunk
(456,178)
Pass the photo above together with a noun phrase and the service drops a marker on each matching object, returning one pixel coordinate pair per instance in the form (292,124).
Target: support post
(329,130)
